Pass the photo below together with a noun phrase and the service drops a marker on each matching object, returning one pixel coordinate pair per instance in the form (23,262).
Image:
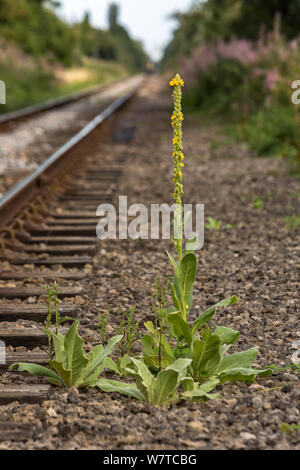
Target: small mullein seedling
(156,343)
(53,311)
(129,330)
(289,428)
(69,366)
(102,327)
(258,204)
(293,222)
(212,224)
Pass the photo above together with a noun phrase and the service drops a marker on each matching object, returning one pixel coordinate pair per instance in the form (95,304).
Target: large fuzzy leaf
(117,367)
(76,361)
(208,314)
(143,377)
(129,390)
(40,371)
(64,374)
(237,366)
(243,374)
(96,363)
(202,393)
(227,335)
(241,359)
(151,352)
(165,386)
(180,365)
(180,326)
(188,269)
(58,341)
(175,265)
(206,354)
(176,296)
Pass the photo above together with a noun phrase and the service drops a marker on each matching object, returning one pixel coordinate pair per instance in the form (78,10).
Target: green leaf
(40,371)
(124,362)
(58,341)
(243,374)
(110,364)
(227,335)
(188,384)
(129,390)
(175,265)
(208,314)
(206,354)
(180,365)
(188,268)
(64,374)
(237,366)
(94,353)
(144,379)
(150,327)
(190,246)
(75,358)
(165,386)
(175,298)
(181,327)
(241,359)
(149,344)
(95,366)
(166,348)
(202,393)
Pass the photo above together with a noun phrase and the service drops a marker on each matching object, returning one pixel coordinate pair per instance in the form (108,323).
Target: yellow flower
(176,122)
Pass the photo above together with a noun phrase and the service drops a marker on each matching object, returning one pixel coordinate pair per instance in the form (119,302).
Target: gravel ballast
(253,256)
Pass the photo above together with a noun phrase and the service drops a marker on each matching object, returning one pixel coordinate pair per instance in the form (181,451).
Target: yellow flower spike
(176,122)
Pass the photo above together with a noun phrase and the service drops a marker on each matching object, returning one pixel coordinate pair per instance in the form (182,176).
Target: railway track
(14,117)
(48,232)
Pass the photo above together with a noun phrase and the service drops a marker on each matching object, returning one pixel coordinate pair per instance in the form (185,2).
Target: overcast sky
(146,19)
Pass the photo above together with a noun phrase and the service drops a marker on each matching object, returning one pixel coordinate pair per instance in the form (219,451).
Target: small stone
(257,403)
(52,413)
(247,436)
(31,300)
(196,426)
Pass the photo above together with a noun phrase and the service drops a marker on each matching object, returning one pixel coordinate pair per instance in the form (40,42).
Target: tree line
(35,27)
(227,19)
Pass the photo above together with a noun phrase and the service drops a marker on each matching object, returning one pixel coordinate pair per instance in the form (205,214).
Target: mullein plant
(183,359)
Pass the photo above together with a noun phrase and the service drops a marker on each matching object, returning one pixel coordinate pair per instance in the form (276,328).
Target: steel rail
(55,102)
(23,192)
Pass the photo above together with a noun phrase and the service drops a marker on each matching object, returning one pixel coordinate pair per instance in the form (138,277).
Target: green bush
(273,131)
(225,85)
